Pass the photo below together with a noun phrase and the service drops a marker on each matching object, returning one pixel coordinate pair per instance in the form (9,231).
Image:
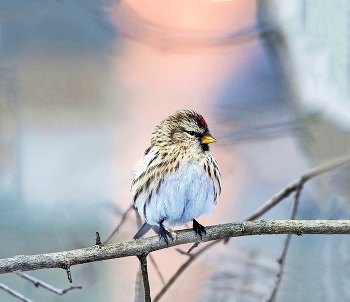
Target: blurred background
(84,82)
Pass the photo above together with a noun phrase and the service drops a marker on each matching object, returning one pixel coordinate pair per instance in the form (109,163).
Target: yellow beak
(207,139)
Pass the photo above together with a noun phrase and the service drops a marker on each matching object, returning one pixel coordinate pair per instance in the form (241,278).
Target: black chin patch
(205,147)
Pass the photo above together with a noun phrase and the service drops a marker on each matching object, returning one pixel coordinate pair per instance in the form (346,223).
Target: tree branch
(38,283)
(182,268)
(144,271)
(14,293)
(147,245)
(282,260)
(117,228)
(293,186)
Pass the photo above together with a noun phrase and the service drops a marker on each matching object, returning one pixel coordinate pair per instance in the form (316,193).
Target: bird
(177,179)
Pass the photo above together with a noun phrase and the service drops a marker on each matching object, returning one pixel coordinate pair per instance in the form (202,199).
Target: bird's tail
(144,229)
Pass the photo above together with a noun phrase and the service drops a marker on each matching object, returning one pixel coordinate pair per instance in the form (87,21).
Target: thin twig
(196,244)
(282,260)
(183,252)
(14,293)
(182,268)
(296,201)
(143,267)
(116,230)
(98,239)
(69,273)
(293,186)
(157,269)
(47,286)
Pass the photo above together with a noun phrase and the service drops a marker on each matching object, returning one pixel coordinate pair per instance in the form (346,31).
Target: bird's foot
(164,234)
(199,229)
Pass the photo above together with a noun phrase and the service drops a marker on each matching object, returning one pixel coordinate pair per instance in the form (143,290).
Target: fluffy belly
(182,196)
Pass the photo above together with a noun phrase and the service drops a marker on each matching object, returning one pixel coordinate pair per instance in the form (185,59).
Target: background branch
(182,268)
(282,260)
(150,244)
(14,293)
(293,186)
(38,283)
(117,228)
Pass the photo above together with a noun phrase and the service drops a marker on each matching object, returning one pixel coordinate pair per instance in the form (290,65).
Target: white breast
(182,196)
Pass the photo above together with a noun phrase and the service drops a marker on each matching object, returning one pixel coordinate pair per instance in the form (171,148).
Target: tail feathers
(156,228)
(143,230)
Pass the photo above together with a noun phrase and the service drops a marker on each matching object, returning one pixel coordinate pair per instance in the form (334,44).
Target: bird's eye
(193,133)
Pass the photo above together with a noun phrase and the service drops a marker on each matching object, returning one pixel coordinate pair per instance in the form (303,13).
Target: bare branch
(184,253)
(182,268)
(47,286)
(193,247)
(157,268)
(98,239)
(293,186)
(69,273)
(143,267)
(14,293)
(116,230)
(282,259)
(150,244)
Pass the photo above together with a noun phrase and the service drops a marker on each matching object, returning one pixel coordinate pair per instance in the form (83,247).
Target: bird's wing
(141,165)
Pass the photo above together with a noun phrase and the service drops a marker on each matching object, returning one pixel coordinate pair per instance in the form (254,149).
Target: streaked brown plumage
(177,179)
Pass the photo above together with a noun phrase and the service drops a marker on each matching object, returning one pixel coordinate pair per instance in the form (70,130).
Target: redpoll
(177,179)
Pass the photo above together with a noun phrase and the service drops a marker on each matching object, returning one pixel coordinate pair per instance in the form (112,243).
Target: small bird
(177,179)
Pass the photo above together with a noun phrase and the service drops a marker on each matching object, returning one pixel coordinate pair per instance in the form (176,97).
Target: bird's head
(185,128)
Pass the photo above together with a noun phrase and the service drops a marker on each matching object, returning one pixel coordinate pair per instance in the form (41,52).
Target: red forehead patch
(201,122)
